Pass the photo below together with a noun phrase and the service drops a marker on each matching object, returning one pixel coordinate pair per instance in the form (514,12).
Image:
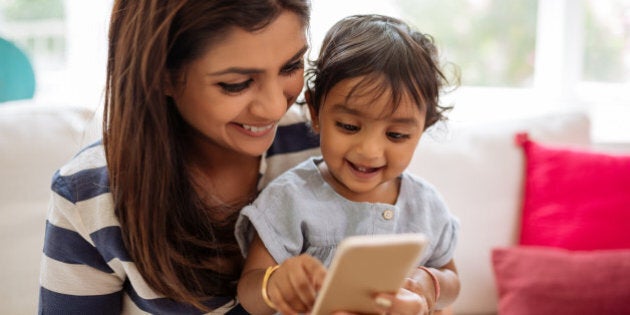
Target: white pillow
(35,140)
(479,171)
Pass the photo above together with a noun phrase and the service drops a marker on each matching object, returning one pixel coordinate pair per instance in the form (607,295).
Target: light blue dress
(299,212)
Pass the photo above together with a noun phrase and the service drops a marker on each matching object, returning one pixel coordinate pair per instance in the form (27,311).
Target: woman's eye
(347,127)
(397,136)
(235,87)
(292,67)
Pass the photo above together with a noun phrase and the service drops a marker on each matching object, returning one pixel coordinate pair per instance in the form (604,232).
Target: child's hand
(293,287)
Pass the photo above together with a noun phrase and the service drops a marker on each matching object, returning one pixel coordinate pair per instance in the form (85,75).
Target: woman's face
(234,95)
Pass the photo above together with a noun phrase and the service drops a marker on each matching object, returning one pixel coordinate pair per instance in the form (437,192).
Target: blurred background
(511,54)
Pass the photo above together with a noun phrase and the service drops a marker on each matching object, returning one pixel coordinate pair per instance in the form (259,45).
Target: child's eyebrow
(342,108)
(405,121)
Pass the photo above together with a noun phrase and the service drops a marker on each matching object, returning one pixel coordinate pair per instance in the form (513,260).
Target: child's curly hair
(389,53)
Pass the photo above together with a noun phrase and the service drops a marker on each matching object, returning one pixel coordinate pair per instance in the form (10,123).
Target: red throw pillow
(543,280)
(575,199)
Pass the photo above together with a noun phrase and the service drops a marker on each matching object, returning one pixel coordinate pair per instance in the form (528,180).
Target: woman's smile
(257,130)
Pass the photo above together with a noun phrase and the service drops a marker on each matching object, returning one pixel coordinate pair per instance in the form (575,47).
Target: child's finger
(283,296)
(294,285)
(303,287)
(316,271)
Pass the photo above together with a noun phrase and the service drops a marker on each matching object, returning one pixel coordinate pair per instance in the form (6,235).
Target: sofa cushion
(35,140)
(544,280)
(574,198)
(478,170)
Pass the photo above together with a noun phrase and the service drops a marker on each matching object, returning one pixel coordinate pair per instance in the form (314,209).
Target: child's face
(364,146)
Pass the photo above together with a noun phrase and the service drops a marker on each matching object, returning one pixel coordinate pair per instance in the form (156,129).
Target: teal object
(17,78)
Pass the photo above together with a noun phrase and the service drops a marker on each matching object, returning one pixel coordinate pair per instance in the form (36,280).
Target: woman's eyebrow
(299,54)
(249,71)
(237,70)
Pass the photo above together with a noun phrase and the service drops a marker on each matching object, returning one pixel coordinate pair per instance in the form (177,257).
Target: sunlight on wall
(325,13)
(79,78)
(84,78)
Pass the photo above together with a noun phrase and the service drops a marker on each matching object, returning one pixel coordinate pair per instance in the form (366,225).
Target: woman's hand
(408,301)
(293,287)
(405,302)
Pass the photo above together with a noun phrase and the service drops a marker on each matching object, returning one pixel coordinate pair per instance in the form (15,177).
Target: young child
(372,92)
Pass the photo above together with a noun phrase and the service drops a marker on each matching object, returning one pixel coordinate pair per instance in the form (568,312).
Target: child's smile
(365,143)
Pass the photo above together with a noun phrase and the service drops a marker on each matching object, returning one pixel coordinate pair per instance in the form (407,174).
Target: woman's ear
(167,86)
(311,110)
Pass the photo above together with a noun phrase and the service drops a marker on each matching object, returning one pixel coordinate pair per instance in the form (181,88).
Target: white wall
(556,78)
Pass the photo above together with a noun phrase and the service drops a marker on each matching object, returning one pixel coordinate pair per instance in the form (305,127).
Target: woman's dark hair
(390,55)
(167,228)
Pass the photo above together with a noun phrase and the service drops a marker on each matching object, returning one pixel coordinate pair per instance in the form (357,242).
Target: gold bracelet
(265,296)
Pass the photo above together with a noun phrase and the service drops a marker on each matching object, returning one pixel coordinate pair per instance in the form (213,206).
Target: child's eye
(347,127)
(235,87)
(397,136)
(292,67)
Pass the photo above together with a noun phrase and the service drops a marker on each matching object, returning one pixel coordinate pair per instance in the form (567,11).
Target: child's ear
(311,110)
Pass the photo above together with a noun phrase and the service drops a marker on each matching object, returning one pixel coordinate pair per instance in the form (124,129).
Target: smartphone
(365,265)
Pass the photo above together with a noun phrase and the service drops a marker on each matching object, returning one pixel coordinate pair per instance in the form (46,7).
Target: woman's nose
(271,102)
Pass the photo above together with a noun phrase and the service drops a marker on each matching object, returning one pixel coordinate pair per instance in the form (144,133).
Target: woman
(195,91)
(144,220)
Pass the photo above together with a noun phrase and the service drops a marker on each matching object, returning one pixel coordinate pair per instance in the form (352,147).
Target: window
(37,27)
(491,44)
(66,42)
(514,56)
(606,41)
(521,56)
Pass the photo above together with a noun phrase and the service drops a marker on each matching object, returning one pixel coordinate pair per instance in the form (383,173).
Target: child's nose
(370,147)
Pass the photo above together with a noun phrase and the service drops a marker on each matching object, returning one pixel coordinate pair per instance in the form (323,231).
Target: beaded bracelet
(436,283)
(265,296)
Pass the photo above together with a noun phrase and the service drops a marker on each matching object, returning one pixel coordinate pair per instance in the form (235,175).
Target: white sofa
(35,140)
(476,167)
(480,172)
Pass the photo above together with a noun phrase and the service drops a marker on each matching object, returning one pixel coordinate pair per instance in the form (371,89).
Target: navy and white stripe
(86,268)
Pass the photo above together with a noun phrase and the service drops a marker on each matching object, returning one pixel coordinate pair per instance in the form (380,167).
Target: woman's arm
(74,276)
(291,288)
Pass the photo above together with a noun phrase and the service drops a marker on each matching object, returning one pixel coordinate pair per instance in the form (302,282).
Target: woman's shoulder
(295,141)
(297,113)
(84,176)
(90,156)
(81,198)
(300,175)
(294,133)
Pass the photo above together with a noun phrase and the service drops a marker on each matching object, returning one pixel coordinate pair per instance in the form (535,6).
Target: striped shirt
(86,268)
